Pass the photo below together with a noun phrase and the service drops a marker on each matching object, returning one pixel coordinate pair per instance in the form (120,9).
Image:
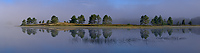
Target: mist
(12,12)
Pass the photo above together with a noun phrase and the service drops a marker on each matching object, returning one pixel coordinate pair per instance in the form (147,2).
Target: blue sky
(122,11)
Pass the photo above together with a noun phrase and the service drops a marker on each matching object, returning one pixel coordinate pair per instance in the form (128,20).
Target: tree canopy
(107,19)
(144,20)
(54,19)
(73,19)
(170,21)
(81,19)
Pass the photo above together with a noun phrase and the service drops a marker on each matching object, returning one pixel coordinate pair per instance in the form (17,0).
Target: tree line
(93,19)
(96,19)
(144,20)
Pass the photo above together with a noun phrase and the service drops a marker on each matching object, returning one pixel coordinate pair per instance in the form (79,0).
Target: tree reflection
(29,31)
(157,32)
(73,33)
(183,30)
(144,33)
(54,33)
(107,33)
(94,33)
(169,31)
(81,33)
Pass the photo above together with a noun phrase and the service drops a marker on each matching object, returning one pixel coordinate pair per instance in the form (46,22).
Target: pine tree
(34,21)
(98,19)
(54,19)
(107,19)
(23,23)
(144,20)
(190,23)
(160,20)
(81,19)
(92,19)
(29,20)
(73,19)
(154,21)
(183,22)
(169,21)
(48,21)
(42,21)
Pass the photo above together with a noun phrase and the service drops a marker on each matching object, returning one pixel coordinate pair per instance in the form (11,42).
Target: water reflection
(100,36)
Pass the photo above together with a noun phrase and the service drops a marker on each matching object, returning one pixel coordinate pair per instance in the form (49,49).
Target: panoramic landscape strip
(95,20)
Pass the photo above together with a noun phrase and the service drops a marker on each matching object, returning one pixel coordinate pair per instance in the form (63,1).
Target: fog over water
(12,12)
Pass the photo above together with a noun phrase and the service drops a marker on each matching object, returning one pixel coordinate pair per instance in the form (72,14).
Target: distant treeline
(96,19)
(93,19)
(159,21)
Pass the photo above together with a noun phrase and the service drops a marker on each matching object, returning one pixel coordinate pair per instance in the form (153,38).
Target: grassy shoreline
(71,25)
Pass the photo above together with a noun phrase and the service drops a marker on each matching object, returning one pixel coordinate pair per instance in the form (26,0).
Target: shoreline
(126,27)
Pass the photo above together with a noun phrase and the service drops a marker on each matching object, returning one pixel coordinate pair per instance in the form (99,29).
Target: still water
(99,40)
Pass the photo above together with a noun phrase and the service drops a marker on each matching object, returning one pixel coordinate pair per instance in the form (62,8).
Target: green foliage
(107,33)
(48,21)
(73,33)
(160,20)
(23,23)
(81,19)
(92,19)
(98,19)
(54,19)
(34,21)
(190,23)
(178,23)
(154,21)
(81,33)
(65,22)
(170,21)
(144,20)
(42,21)
(29,20)
(183,22)
(144,33)
(73,19)
(54,33)
(107,20)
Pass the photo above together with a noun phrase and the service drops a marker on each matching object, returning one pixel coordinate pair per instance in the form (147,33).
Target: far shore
(125,27)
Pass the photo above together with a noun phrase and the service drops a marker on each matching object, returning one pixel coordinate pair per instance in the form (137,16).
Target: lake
(99,40)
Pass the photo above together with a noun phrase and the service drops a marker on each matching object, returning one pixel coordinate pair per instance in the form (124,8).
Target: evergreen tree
(107,19)
(29,20)
(73,19)
(190,23)
(170,21)
(92,19)
(160,20)
(183,22)
(48,21)
(23,23)
(144,20)
(98,19)
(54,19)
(65,22)
(42,21)
(154,21)
(34,21)
(177,23)
(81,19)
(164,22)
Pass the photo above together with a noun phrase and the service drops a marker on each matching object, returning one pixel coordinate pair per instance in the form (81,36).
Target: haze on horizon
(12,12)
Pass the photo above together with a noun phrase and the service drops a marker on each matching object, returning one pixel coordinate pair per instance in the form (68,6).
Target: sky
(12,12)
